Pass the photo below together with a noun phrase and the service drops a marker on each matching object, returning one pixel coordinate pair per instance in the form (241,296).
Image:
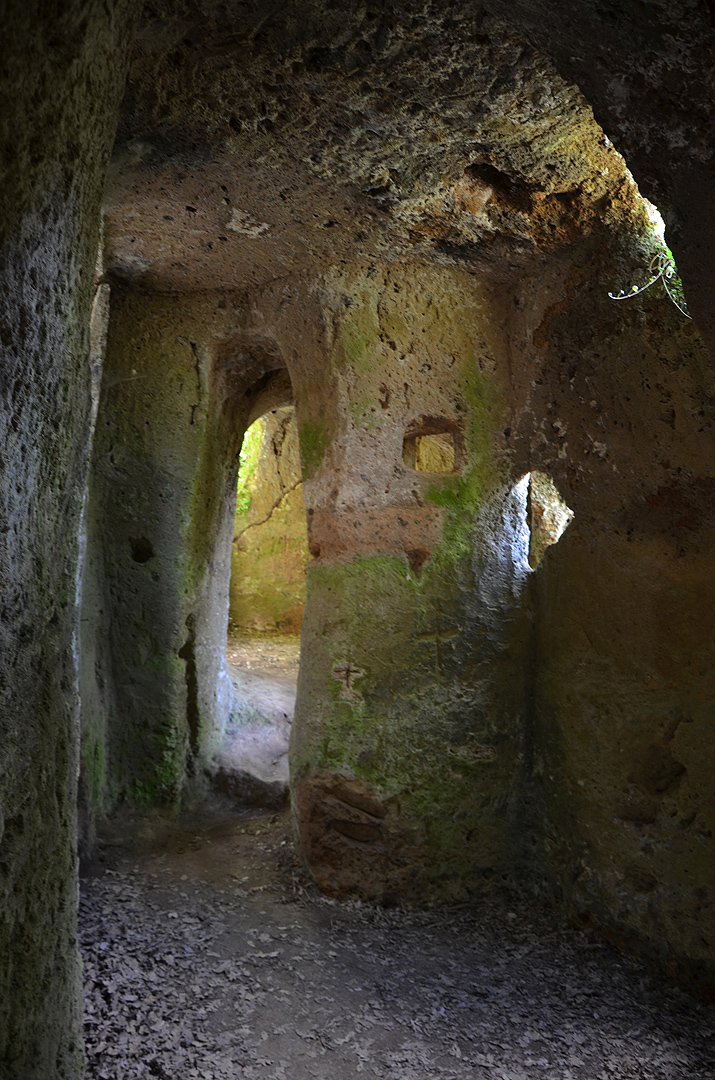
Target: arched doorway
(266,602)
(270,546)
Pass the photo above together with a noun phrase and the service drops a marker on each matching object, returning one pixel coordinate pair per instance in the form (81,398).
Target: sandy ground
(268,654)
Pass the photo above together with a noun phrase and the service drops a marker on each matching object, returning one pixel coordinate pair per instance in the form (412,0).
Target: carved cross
(346,674)
(439,636)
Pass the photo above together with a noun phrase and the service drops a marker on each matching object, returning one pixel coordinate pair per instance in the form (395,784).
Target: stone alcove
(219,226)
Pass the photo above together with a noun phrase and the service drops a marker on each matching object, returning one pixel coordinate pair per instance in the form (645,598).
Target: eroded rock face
(61,82)
(411,649)
(411,215)
(182,376)
(347,838)
(649,75)
(623,608)
(407,219)
(342,132)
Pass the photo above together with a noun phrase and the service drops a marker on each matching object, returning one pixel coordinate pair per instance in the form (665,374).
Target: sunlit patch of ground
(255,650)
(252,763)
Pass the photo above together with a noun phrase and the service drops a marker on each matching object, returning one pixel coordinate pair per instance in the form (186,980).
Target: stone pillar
(159,538)
(411,739)
(183,377)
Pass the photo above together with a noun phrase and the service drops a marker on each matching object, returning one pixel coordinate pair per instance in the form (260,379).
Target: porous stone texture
(623,613)
(409,738)
(184,376)
(252,765)
(61,82)
(648,73)
(404,218)
(161,500)
(270,543)
(340,132)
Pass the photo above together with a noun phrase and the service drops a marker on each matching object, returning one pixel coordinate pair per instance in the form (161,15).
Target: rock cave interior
(310,340)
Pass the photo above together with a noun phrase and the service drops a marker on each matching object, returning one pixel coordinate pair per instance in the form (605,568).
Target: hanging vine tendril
(661,268)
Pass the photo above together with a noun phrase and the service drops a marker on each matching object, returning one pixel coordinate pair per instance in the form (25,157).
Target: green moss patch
(313,444)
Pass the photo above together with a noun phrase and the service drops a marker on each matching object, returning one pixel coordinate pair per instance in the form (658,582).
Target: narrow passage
(208,954)
(251,766)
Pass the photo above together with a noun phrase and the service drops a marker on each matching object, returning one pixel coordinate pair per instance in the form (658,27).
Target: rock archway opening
(266,602)
(270,543)
(548,515)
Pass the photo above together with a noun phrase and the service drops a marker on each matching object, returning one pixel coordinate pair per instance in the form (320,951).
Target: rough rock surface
(342,132)
(251,765)
(185,375)
(648,73)
(61,80)
(403,219)
(402,216)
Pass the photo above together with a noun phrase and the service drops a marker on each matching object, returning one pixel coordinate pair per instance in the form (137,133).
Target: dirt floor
(268,654)
(209,954)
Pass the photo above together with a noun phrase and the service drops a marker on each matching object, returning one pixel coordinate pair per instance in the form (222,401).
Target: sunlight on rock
(548,516)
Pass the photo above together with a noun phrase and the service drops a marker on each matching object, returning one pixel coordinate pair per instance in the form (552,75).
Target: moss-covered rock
(270,544)
(411,692)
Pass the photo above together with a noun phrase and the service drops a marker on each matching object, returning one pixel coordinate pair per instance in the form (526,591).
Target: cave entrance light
(270,544)
(548,516)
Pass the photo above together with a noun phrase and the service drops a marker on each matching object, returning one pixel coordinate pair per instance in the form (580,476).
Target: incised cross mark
(346,674)
(439,636)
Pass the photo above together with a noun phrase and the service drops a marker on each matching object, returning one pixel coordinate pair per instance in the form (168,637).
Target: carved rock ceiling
(256,143)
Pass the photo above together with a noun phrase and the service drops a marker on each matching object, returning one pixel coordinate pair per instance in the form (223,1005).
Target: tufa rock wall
(460,718)
(161,497)
(420,219)
(61,82)
(617,403)
(410,740)
(648,74)
(184,376)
